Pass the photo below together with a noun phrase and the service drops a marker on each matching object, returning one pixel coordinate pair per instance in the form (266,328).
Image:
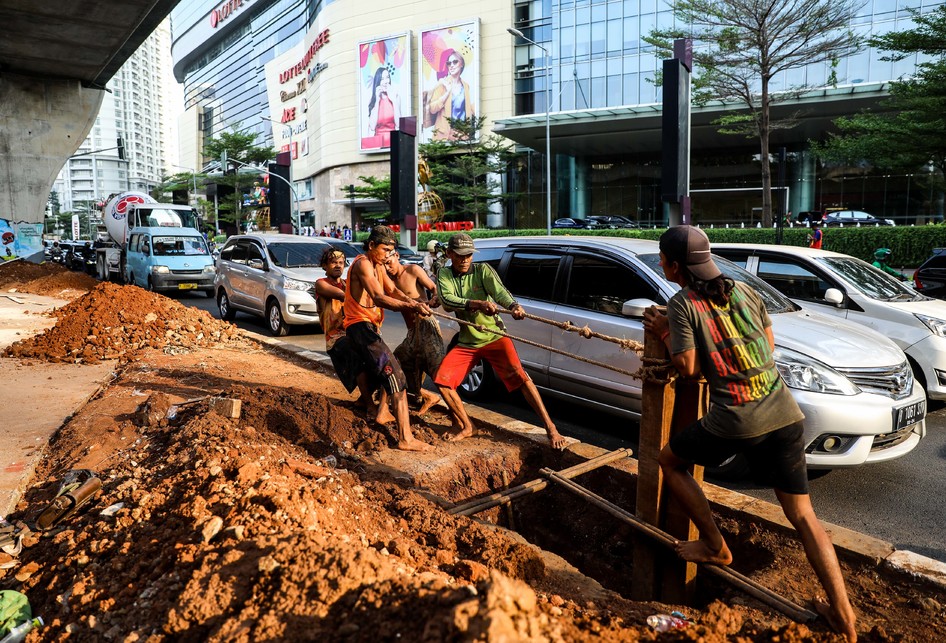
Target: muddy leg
(405,438)
(531,394)
(461,420)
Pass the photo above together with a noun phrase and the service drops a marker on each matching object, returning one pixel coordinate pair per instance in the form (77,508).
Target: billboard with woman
(449,78)
(384,89)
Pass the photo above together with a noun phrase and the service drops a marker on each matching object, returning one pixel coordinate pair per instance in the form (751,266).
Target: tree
(54,204)
(908,132)
(741,46)
(377,188)
(239,146)
(463,170)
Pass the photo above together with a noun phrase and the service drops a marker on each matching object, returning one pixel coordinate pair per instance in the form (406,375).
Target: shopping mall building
(327,81)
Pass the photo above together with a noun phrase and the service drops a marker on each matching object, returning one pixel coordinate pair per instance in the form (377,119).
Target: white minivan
(166,259)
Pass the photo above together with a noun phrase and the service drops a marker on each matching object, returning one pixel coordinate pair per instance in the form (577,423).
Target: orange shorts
(501,355)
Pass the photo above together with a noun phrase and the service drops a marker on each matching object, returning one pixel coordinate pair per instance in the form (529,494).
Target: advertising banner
(21,240)
(384,89)
(449,68)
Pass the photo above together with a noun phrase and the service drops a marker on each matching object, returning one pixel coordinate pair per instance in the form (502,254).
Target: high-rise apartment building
(134,109)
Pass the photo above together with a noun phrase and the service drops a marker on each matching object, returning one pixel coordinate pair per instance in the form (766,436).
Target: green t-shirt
(747,395)
(480,283)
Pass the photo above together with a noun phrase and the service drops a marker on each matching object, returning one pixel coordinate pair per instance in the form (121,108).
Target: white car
(857,392)
(844,286)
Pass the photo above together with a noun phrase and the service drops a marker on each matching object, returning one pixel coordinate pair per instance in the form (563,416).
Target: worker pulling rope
(651,369)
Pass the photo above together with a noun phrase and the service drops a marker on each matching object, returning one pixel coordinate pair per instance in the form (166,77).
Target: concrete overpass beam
(42,123)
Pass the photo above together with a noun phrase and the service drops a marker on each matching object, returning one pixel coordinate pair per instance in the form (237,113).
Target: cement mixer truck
(153,245)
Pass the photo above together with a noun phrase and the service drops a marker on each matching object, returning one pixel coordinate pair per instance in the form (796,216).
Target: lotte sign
(224,11)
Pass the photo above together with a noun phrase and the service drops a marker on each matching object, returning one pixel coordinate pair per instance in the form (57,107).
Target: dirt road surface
(240,529)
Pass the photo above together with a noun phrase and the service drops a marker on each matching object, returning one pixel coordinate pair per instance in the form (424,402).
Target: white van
(169,259)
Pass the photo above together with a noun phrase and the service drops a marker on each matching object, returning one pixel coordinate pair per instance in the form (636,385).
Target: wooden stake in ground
(657,575)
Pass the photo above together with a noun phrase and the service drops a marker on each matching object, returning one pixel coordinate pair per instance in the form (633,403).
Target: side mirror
(833,296)
(635,307)
(146,251)
(256,263)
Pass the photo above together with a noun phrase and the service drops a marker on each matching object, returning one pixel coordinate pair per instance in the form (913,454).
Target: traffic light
(121,148)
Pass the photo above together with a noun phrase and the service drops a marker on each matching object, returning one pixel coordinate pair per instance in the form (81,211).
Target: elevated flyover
(55,59)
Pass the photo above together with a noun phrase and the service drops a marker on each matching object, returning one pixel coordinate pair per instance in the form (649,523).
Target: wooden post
(657,574)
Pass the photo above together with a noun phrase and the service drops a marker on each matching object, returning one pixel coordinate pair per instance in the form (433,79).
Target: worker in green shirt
(474,292)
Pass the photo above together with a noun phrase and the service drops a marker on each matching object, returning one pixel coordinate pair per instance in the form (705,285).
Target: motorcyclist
(56,252)
(881,257)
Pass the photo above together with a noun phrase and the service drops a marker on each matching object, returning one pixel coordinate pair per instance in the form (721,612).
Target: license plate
(907,415)
(187,286)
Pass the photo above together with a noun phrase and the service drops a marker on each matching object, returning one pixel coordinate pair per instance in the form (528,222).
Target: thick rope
(584,331)
(648,371)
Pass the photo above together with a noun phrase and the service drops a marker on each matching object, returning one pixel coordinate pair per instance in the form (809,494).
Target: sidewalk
(39,397)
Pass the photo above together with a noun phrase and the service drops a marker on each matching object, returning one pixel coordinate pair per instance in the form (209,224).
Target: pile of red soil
(49,279)
(116,322)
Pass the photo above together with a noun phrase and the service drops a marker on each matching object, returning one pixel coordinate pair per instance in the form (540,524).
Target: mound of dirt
(49,279)
(117,322)
(210,528)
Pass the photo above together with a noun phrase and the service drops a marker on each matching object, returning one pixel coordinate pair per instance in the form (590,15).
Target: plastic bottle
(19,632)
(666,622)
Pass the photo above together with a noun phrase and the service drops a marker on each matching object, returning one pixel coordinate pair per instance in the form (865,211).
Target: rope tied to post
(651,370)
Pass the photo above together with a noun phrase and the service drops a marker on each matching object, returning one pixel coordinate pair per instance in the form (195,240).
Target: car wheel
(223,303)
(479,382)
(735,468)
(277,325)
(150,284)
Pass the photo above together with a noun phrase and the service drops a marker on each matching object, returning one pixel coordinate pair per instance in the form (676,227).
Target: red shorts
(500,354)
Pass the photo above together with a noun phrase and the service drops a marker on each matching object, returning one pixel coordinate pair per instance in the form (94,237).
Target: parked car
(930,278)
(853,218)
(614,222)
(272,276)
(846,287)
(854,385)
(570,222)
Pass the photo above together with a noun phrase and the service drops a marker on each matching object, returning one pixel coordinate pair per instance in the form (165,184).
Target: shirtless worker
(422,350)
(369,289)
(472,292)
(330,298)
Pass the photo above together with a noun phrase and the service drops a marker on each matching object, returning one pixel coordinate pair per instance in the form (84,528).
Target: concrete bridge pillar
(42,123)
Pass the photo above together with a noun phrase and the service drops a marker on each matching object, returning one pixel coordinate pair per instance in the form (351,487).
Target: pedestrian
(720,329)
(474,293)
(816,237)
(330,297)
(881,257)
(422,350)
(369,290)
(433,261)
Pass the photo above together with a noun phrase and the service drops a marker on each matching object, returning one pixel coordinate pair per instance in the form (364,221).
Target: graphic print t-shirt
(747,395)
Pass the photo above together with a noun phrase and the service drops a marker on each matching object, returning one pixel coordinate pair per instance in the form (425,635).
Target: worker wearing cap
(432,263)
(720,329)
(474,292)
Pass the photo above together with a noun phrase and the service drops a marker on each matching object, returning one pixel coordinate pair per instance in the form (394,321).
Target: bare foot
(456,437)
(556,439)
(384,416)
(414,445)
(364,403)
(429,399)
(697,551)
(837,623)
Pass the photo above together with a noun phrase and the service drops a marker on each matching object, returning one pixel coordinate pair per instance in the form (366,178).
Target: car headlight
(936,325)
(806,374)
(160,270)
(210,268)
(295,284)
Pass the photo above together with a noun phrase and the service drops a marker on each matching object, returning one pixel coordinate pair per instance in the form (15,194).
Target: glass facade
(598,60)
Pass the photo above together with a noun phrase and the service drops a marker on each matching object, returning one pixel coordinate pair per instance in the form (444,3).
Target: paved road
(900,501)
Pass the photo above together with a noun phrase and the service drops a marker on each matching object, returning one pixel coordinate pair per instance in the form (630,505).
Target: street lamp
(292,188)
(193,175)
(548,129)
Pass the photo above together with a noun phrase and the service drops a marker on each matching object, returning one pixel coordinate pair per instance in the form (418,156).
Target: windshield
(350,251)
(297,255)
(178,246)
(775,302)
(870,281)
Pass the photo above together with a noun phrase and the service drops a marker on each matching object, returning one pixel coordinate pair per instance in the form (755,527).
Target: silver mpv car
(855,387)
(272,276)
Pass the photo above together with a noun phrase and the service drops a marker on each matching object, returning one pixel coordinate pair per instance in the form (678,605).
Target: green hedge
(911,245)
